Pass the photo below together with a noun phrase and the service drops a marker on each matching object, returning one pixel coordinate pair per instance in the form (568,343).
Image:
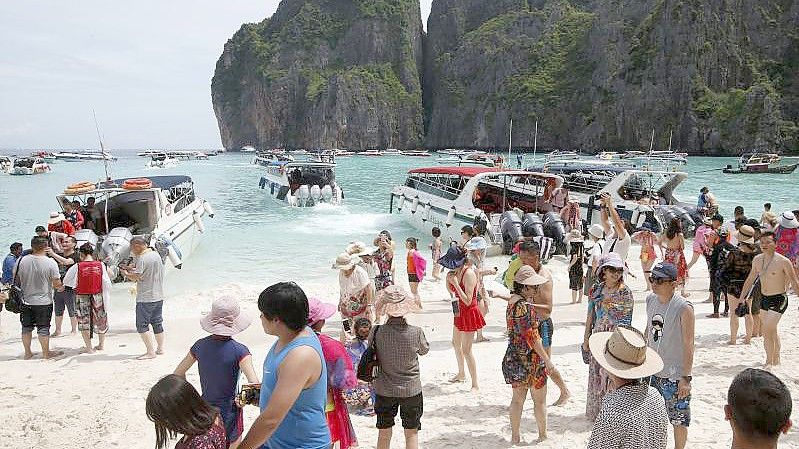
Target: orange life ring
(137,184)
(80,187)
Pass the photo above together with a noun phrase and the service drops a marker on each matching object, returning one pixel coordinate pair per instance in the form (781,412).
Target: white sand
(93,401)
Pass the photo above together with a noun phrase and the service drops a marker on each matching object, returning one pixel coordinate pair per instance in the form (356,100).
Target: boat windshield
(497,193)
(438,184)
(645,184)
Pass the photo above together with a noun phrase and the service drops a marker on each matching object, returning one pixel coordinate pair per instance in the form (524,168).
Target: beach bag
(369,363)
(15,302)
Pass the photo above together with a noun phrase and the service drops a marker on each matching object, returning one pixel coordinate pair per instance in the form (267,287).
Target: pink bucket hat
(225,318)
(319,310)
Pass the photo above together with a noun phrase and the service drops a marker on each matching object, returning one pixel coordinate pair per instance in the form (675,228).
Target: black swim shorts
(410,410)
(775,303)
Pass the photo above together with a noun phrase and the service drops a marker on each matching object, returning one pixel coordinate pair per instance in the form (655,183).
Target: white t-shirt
(353,284)
(596,253)
(618,246)
(35,275)
(730,225)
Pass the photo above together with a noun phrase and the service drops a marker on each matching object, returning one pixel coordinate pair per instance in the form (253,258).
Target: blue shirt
(701,201)
(305,425)
(8,268)
(218,361)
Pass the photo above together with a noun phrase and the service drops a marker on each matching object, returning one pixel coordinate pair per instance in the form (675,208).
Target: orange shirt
(411,265)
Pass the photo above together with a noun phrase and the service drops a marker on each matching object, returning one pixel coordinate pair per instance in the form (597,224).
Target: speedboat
(78,156)
(5,163)
(303,183)
(342,153)
(392,152)
(164,210)
(372,153)
(562,155)
(29,166)
(248,149)
(502,200)
(607,155)
(162,161)
(760,163)
(414,153)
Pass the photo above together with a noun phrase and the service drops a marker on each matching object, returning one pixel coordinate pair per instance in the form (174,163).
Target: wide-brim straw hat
(526,275)
(319,310)
(358,248)
(746,234)
(596,231)
(453,259)
(225,318)
(55,218)
(345,261)
(395,301)
(624,353)
(788,220)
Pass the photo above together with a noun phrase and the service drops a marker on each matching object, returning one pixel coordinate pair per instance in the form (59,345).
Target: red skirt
(470,319)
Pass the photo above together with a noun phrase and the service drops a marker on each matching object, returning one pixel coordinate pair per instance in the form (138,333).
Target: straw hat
(475,244)
(225,318)
(55,218)
(746,234)
(788,220)
(395,301)
(453,259)
(573,236)
(527,276)
(596,231)
(319,310)
(624,353)
(358,248)
(345,261)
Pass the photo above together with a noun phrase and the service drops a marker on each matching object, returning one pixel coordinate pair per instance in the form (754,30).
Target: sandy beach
(92,401)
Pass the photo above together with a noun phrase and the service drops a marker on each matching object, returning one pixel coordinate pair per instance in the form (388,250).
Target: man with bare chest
(774,272)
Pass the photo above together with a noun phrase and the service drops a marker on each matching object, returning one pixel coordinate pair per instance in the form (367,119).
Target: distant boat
(372,153)
(162,161)
(77,156)
(750,163)
(29,166)
(414,153)
(248,149)
(392,152)
(5,163)
(303,183)
(340,153)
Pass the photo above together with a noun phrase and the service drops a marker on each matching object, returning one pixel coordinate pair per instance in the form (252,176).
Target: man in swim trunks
(774,271)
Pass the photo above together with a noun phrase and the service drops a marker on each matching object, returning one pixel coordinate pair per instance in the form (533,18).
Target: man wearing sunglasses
(670,332)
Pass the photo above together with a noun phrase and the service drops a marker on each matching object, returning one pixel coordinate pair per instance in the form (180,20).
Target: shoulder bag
(369,363)
(15,302)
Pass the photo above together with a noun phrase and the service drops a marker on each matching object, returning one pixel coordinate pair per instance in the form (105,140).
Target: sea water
(254,241)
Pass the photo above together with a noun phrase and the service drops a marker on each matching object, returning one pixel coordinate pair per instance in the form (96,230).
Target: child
(360,400)
(174,406)
(417,266)
(576,250)
(435,246)
(220,358)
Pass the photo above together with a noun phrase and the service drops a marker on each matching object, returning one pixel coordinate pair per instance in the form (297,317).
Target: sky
(144,67)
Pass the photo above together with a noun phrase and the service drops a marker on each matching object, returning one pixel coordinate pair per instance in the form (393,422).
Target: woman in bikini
(674,243)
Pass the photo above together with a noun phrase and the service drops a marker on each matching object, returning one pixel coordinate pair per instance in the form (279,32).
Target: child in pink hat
(220,359)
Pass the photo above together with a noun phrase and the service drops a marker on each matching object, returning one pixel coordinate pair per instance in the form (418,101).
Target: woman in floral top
(610,304)
(384,258)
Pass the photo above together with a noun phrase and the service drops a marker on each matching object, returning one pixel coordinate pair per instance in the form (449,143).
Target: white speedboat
(562,155)
(79,156)
(392,152)
(5,163)
(29,166)
(164,210)
(414,153)
(342,153)
(162,160)
(372,153)
(303,183)
(452,197)
(248,149)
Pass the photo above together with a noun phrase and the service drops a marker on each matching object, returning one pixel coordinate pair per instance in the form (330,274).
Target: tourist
(220,359)
(571,215)
(417,266)
(15,251)
(359,249)
(398,384)
(435,249)
(66,258)
(576,256)
(670,332)
(55,240)
(674,243)
(476,253)
(384,259)
(148,273)
(772,272)
(92,288)
(175,407)
(732,226)
(701,202)
(92,215)
(294,382)
(718,259)
(758,408)
(596,238)
(361,398)
(700,246)
(610,304)
(766,209)
(769,221)
(559,199)
(617,239)
(787,235)
(73,214)
(633,414)
(526,362)
(38,277)
(647,238)
(462,281)
(733,275)
(355,294)
(59,223)
(340,376)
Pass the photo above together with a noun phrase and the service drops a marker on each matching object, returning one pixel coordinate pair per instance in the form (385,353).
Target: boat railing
(450,188)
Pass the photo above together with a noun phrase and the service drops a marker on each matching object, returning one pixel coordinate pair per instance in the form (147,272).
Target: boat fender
(450,216)
(414,204)
(401,202)
(198,221)
(426,214)
(262,182)
(173,252)
(208,209)
(511,227)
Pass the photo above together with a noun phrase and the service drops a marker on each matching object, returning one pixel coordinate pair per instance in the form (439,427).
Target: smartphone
(456,309)
(347,323)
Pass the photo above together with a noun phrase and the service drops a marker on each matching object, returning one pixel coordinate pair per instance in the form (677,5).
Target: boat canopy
(467,171)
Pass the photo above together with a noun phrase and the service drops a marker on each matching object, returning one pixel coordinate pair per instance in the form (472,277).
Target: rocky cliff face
(323,73)
(722,75)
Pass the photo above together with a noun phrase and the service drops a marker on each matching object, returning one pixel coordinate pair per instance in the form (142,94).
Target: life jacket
(90,278)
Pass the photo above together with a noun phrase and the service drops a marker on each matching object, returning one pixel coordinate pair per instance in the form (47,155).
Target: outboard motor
(116,248)
(555,229)
(511,226)
(327,193)
(532,225)
(86,236)
(316,193)
(688,224)
(303,195)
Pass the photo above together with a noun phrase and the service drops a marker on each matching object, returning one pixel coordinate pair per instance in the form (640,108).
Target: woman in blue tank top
(294,386)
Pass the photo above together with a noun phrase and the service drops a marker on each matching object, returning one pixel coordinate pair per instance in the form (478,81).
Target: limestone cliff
(323,73)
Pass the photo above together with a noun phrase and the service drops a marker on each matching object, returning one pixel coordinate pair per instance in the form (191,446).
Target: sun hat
(771,218)
(624,353)
(319,310)
(395,301)
(55,217)
(665,270)
(527,276)
(345,261)
(612,260)
(788,220)
(746,234)
(454,258)
(225,318)
(596,231)
(358,248)
(475,244)
(573,236)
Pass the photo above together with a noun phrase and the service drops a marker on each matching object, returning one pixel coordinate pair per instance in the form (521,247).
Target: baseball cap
(664,270)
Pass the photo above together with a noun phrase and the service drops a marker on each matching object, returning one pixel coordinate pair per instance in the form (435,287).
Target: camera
(250,394)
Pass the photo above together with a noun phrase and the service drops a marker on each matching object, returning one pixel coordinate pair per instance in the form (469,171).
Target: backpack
(15,302)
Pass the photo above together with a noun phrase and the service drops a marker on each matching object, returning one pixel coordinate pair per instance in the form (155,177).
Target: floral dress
(383,278)
(787,242)
(522,366)
(676,257)
(647,241)
(609,310)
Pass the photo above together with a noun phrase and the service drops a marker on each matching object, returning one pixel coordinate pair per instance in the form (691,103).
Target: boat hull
(280,191)
(780,170)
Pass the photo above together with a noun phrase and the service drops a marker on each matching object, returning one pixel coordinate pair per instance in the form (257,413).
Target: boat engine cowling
(86,236)
(116,248)
(316,193)
(303,194)
(511,226)
(688,224)
(327,194)
(555,229)
(532,225)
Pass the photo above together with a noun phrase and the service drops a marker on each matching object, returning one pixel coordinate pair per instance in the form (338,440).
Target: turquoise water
(256,241)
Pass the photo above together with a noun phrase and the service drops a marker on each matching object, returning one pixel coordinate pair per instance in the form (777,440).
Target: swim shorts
(412,277)
(147,314)
(38,317)
(679,409)
(410,410)
(546,329)
(775,303)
